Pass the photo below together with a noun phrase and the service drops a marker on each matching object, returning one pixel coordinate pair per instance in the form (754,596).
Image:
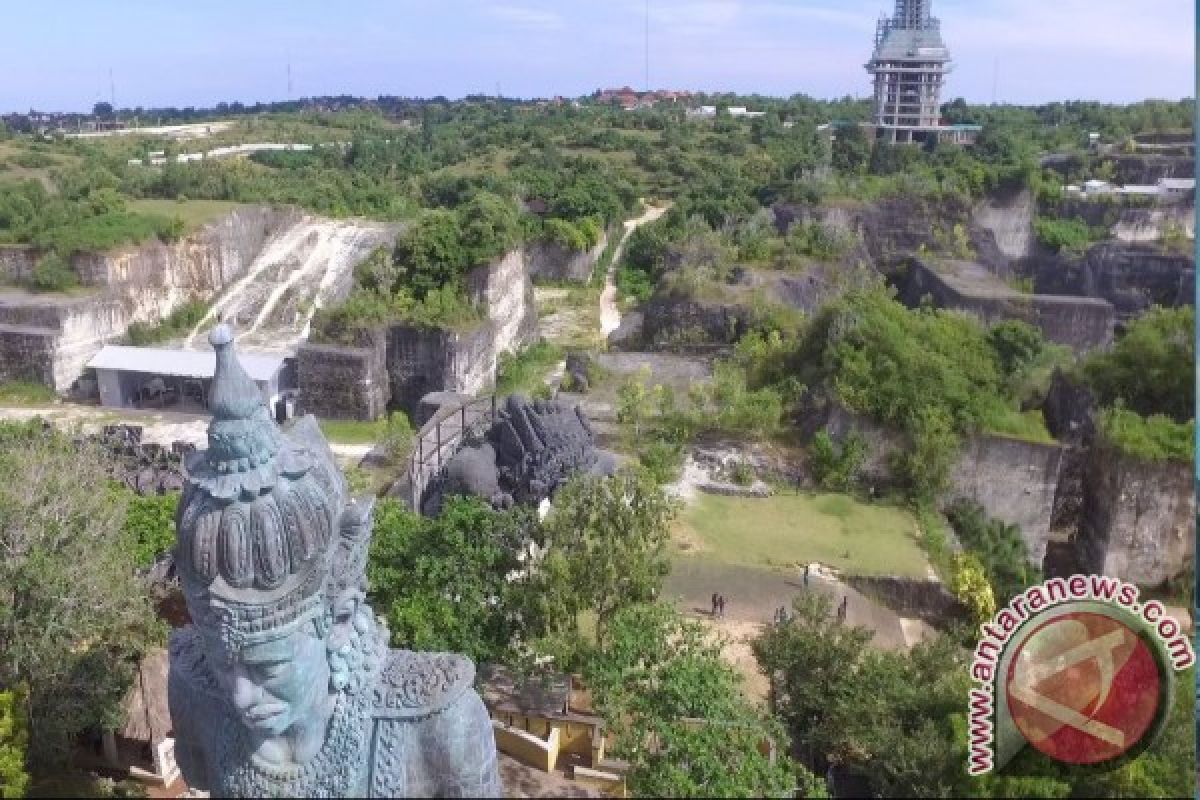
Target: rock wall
(141,284)
(16,263)
(505,291)
(1138,518)
(395,367)
(1083,323)
(551,261)
(1009,217)
(424,360)
(1015,481)
(1132,277)
(680,324)
(204,262)
(1148,225)
(344,382)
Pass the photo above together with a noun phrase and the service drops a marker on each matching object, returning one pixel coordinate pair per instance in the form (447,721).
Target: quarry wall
(411,361)
(139,284)
(1131,276)
(1014,480)
(550,261)
(1083,323)
(1137,518)
(345,382)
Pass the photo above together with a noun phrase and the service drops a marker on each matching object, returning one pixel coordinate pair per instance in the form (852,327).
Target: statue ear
(346,605)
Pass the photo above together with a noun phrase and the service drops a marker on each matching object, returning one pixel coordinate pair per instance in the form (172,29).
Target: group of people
(718,605)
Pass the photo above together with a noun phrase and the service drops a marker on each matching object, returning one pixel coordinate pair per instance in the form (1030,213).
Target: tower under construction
(910,63)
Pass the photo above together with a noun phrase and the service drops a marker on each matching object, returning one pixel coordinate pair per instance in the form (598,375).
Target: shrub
(150,521)
(179,322)
(1150,369)
(998,546)
(1069,235)
(52,273)
(835,467)
(566,234)
(662,460)
(1154,438)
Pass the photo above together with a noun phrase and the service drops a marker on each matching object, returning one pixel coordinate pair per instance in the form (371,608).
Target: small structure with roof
(149,377)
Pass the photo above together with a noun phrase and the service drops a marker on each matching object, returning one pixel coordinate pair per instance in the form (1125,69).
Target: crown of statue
(262,540)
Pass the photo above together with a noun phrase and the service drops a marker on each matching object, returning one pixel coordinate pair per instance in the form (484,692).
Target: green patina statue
(284,684)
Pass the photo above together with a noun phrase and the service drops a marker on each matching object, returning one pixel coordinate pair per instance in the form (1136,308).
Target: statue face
(277,684)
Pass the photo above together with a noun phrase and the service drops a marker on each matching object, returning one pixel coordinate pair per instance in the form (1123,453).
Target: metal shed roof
(184,363)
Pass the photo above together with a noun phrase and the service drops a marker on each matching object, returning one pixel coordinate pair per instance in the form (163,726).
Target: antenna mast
(289,76)
(647,45)
(112,90)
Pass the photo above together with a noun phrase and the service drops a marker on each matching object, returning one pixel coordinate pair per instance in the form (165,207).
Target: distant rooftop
(182,363)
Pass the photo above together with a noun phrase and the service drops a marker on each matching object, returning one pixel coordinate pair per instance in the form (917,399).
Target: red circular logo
(1084,688)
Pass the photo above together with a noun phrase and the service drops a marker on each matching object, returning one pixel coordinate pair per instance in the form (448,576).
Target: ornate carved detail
(419,684)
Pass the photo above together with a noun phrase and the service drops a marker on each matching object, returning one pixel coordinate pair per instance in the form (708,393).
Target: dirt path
(610,315)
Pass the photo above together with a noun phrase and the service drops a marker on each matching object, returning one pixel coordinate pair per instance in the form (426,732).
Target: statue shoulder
(412,685)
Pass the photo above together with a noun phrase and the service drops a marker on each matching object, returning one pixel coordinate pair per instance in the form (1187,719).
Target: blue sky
(57,55)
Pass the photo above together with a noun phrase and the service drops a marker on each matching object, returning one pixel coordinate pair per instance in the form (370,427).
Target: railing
(440,438)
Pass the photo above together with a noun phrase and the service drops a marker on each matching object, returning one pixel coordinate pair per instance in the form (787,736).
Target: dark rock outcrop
(1132,277)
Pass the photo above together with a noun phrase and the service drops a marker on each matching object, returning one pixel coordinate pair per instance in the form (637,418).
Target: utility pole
(647,45)
(289,76)
(112,91)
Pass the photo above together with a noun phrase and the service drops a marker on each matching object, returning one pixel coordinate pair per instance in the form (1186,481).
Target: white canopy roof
(183,363)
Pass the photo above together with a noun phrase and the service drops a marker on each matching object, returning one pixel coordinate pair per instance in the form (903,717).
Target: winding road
(610,315)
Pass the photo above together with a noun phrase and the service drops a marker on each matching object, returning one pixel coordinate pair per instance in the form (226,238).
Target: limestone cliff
(412,361)
(1137,518)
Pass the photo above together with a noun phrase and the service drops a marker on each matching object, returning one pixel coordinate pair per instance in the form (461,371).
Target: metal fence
(440,438)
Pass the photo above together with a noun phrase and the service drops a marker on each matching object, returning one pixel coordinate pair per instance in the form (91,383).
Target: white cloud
(526,17)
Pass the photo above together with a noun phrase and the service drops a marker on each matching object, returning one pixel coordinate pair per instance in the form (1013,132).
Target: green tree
(1150,368)
(679,714)
(851,149)
(14,741)
(430,254)
(1016,343)
(607,540)
(150,522)
(442,582)
(835,466)
(73,616)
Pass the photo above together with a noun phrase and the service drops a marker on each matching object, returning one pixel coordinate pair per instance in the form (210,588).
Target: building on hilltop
(909,65)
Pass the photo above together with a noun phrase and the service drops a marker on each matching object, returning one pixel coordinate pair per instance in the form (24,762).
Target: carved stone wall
(345,382)
(1138,518)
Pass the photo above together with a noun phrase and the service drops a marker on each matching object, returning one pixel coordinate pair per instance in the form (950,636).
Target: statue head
(272,560)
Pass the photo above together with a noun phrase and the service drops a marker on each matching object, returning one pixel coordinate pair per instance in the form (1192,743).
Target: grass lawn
(24,393)
(349,431)
(195,213)
(790,529)
(526,372)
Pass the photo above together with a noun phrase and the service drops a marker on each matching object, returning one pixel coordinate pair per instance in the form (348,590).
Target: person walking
(807,567)
(714,604)
(721,606)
